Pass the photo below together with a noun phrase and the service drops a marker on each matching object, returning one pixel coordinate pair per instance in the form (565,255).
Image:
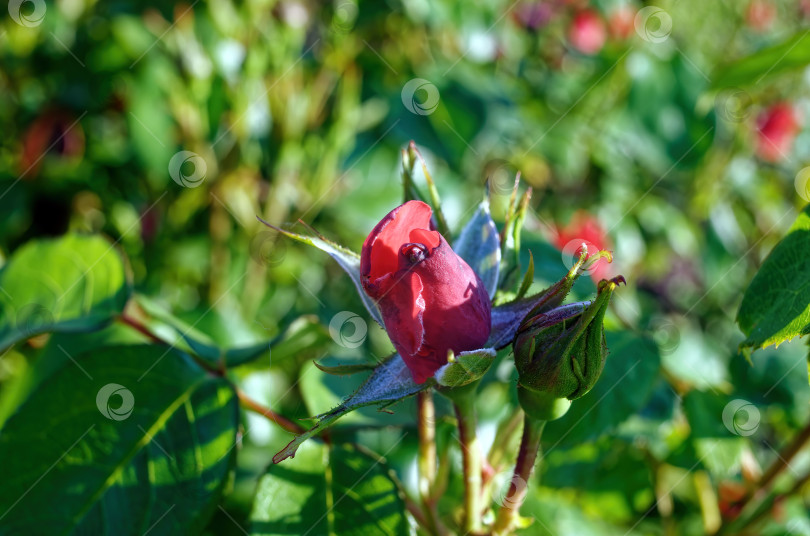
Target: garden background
(675,134)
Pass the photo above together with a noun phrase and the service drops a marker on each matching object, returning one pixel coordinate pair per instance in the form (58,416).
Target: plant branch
(248,403)
(766,505)
(527,456)
(140,328)
(781,462)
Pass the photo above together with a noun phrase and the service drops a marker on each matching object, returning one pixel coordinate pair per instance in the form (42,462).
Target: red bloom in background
(760,15)
(621,23)
(54,132)
(776,129)
(430,299)
(585,228)
(587,32)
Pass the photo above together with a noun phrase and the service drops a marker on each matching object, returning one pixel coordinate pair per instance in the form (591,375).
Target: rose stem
(426,413)
(781,462)
(472,460)
(140,328)
(244,400)
(248,403)
(527,456)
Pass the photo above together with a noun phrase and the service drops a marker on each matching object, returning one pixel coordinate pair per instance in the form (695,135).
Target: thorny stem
(782,461)
(527,456)
(472,461)
(140,328)
(252,405)
(244,399)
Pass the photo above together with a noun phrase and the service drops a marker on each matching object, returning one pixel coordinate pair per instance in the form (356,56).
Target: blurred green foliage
(298,110)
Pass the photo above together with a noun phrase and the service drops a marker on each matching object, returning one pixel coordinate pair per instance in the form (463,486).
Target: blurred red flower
(776,129)
(621,23)
(584,227)
(587,32)
(760,15)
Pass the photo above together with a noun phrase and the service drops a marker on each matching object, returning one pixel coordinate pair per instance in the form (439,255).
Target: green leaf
(354,496)
(228,349)
(73,283)
(120,440)
(791,54)
(624,388)
(347,259)
(480,246)
(60,349)
(390,382)
(776,306)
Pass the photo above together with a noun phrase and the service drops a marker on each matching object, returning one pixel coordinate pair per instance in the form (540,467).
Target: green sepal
(465,368)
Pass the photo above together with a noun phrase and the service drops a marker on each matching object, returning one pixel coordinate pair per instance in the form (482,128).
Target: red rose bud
(587,32)
(561,353)
(777,127)
(431,300)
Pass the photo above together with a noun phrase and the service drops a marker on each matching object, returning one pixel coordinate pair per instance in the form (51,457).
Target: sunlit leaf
(776,306)
(116,440)
(73,283)
(791,54)
(354,496)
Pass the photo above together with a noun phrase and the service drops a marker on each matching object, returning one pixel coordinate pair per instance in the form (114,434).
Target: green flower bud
(562,352)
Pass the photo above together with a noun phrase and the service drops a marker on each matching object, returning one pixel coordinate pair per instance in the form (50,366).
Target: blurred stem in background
(758,500)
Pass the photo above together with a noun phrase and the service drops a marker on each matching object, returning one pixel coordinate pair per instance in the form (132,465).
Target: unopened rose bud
(561,352)
(430,299)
